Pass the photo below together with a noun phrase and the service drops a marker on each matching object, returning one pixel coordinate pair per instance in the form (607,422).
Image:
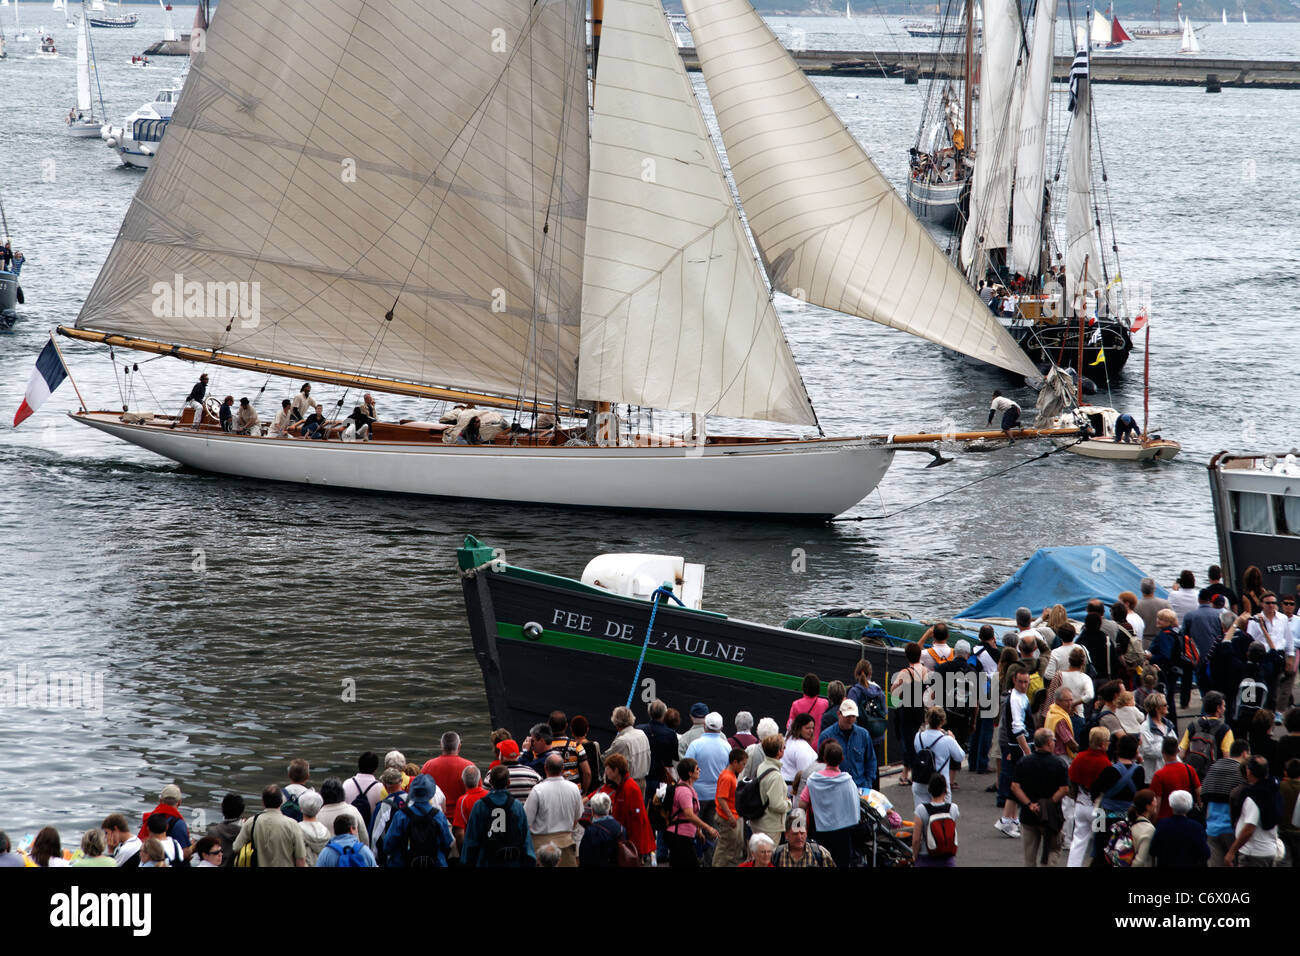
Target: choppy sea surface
(236,624)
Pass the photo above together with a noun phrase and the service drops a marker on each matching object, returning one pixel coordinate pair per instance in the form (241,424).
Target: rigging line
(996,474)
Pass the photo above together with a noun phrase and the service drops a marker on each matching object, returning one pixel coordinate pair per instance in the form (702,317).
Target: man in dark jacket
(663,748)
(599,846)
(419,835)
(496,833)
(1205,629)
(1178,840)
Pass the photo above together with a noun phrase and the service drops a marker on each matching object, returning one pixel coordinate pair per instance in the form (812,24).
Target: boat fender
(532,630)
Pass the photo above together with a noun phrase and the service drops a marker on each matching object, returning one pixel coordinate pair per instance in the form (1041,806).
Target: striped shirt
(573,753)
(522,780)
(813,855)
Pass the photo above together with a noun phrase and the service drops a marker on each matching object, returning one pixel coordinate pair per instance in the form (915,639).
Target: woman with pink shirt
(810,703)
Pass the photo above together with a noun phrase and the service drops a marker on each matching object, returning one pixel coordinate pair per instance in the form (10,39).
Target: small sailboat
(848,9)
(82,120)
(19,35)
(1224,11)
(1244,21)
(1190,43)
(1108,34)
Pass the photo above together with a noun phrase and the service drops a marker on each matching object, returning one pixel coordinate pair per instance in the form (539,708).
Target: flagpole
(84,406)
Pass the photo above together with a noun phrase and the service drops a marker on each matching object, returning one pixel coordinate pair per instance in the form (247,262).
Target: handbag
(247,855)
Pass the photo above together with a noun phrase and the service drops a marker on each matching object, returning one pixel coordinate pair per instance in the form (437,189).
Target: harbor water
(217,628)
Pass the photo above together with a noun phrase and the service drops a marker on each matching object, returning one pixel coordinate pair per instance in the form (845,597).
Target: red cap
(508,749)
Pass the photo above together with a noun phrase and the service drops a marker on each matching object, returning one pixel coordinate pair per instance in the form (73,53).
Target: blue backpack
(349,853)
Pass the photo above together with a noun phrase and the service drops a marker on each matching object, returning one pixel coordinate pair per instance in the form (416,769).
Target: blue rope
(654,609)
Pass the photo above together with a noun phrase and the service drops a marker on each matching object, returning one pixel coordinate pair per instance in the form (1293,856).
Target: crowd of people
(1092,767)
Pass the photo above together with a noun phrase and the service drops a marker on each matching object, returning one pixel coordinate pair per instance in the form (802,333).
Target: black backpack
(361,803)
(750,802)
(503,842)
(1204,740)
(290,807)
(923,764)
(423,845)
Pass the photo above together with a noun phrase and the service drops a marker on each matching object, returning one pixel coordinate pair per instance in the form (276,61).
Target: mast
(970,59)
(1146,380)
(597,17)
(1083,318)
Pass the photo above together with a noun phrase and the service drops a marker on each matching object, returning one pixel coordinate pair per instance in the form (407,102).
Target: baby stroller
(874,843)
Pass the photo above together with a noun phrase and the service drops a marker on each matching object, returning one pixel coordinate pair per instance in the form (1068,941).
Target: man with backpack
(1251,693)
(1207,737)
(1224,777)
(418,836)
(345,849)
(496,834)
(1202,629)
(1173,777)
(1040,784)
(388,807)
(362,790)
(1014,729)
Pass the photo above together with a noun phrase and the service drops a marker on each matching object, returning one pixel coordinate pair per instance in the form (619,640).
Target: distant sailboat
(169,32)
(1243,17)
(19,35)
(82,121)
(1190,44)
(848,9)
(1107,34)
(1225,15)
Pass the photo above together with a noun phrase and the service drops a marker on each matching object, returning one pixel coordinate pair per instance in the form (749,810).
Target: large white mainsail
(1027,215)
(1081,246)
(675,312)
(830,227)
(990,200)
(320,177)
(83,71)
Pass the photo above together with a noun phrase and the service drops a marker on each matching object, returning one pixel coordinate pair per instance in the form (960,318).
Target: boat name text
(577,623)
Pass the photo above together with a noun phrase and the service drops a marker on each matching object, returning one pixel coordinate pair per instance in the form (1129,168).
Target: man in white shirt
(1060,660)
(1255,845)
(303,403)
(1286,687)
(1273,630)
(554,808)
(1025,626)
(1010,412)
(939,651)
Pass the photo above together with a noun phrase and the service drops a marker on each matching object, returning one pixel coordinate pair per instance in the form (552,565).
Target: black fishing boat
(545,641)
(1257,517)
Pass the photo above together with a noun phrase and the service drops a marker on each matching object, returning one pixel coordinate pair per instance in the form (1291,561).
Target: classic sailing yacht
(82,121)
(1190,44)
(1107,34)
(474,249)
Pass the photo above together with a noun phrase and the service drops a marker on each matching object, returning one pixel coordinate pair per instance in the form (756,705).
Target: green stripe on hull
(685,662)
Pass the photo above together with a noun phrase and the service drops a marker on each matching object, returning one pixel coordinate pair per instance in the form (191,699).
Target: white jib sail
(1081,243)
(1100,29)
(675,311)
(990,203)
(1027,214)
(830,227)
(333,161)
(83,71)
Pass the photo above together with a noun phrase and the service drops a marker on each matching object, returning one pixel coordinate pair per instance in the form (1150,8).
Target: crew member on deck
(1126,429)
(245,418)
(228,413)
(1010,414)
(283,419)
(363,416)
(302,403)
(195,400)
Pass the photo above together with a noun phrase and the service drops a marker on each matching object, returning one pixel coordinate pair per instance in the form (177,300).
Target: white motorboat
(48,50)
(136,140)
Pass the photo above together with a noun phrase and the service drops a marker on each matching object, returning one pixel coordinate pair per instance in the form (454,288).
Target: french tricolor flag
(48,375)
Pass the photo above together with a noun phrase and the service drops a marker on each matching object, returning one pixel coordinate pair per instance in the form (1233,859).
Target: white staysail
(436,238)
(1081,245)
(83,71)
(1027,215)
(675,311)
(830,227)
(990,203)
(169,31)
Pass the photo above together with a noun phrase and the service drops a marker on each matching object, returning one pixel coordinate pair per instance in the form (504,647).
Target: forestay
(675,312)
(346,158)
(830,227)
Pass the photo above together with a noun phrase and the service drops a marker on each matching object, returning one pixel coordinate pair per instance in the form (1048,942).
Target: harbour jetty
(912,65)
(180,47)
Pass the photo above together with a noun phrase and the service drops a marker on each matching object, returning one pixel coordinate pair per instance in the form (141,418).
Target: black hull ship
(545,641)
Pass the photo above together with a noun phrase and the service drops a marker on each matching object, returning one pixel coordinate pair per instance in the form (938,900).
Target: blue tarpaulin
(1070,576)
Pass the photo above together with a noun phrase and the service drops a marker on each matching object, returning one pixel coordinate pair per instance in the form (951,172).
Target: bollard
(1212,84)
(911,77)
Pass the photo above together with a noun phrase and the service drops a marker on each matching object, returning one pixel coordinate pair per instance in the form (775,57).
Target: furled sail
(400,190)
(1080,243)
(990,202)
(830,227)
(83,71)
(675,312)
(1027,218)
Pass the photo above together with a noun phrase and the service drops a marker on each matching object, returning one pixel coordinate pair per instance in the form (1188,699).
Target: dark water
(237,624)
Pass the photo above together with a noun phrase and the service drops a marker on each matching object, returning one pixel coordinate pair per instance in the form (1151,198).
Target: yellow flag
(1101,357)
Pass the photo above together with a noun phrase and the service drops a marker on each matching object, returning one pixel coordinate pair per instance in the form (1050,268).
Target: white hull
(1110,450)
(804,479)
(85,129)
(134,157)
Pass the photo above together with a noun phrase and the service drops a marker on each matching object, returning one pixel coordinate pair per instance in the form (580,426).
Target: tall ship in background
(1044,247)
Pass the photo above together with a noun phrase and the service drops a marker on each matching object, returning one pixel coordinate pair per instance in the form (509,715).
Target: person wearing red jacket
(629,806)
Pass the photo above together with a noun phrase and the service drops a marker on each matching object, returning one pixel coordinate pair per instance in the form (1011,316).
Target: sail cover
(830,227)
(335,161)
(1027,221)
(675,312)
